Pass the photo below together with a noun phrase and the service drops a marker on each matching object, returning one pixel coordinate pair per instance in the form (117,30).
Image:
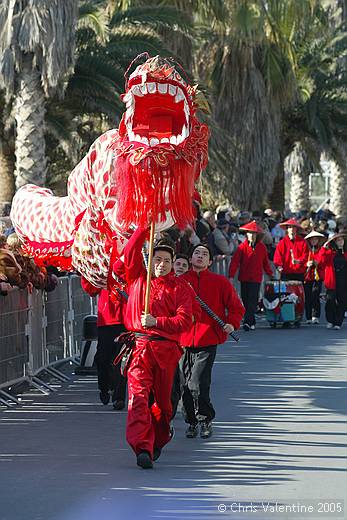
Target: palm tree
(249,65)
(299,166)
(265,92)
(319,116)
(338,183)
(36,51)
(7,187)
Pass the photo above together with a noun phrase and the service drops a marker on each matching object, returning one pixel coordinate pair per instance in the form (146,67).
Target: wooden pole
(149,270)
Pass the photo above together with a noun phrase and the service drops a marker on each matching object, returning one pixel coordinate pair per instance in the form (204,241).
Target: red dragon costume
(144,171)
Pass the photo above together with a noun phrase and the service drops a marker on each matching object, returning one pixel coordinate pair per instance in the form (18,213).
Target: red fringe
(148,190)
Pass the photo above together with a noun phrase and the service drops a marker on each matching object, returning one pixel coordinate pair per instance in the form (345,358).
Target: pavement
(279,442)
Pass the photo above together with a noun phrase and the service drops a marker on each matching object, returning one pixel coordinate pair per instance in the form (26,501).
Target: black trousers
(335,306)
(109,376)
(288,277)
(312,301)
(195,377)
(250,295)
(176,392)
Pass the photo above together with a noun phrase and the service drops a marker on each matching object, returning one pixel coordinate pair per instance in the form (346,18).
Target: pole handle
(149,269)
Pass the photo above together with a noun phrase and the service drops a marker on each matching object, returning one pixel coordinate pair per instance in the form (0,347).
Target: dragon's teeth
(137,91)
(172,90)
(179,96)
(162,88)
(153,141)
(185,132)
(173,139)
(152,88)
(164,140)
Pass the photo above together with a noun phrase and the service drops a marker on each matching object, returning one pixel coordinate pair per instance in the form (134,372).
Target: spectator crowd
(19,270)
(222,230)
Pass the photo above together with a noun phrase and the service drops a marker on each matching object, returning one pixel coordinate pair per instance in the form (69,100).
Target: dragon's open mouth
(157,112)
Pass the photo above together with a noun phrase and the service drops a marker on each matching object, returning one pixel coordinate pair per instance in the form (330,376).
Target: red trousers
(152,369)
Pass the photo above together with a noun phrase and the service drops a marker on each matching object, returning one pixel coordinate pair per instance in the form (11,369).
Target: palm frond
(155,17)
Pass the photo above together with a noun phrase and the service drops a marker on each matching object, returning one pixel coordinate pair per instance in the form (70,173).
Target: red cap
(291,223)
(252,227)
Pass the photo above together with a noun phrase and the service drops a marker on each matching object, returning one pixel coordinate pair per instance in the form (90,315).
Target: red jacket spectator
(326,262)
(110,310)
(288,250)
(251,262)
(220,296)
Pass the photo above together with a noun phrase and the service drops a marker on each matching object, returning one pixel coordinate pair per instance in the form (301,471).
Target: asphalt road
(279,436)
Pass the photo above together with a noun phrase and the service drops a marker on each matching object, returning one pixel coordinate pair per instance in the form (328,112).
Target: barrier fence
(39,329)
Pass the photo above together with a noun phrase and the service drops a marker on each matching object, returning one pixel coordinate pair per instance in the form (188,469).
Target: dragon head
(162,146)
(159,105)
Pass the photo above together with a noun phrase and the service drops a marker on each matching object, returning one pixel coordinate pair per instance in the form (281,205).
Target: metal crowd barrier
(39,330)
(221,264)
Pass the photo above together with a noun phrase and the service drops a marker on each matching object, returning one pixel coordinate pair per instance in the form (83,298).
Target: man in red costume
(110,323)
(157,350)
(252,259)
(201,340)
(291,253)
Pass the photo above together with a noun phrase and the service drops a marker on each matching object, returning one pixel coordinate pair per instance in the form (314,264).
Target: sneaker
(118,405)
(104,397)
(205,429)
(315,321)
(252,327)
(143,460)
(309,322)
(330,326)
(246,327)
(156,453)
(192,431)
(337,327)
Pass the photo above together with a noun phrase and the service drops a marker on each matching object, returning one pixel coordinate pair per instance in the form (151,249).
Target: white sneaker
(337,327)
(252,327)
(309,322)
(330,326)
(315,321)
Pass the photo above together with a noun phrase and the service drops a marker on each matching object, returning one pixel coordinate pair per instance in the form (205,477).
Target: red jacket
(251,262)
(110,310)
(317,271)
(326,261)
(283,256)
(171,300)
(221,297)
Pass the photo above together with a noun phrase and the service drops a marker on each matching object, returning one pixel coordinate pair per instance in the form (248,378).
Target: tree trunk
(299,165)
(7,187)
(276,200)
(29,114)
(338,190)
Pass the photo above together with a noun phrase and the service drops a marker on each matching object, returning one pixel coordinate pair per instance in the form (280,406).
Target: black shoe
(192,431)
(156,453)
(119,405)
(143,460)
(205,429)
(172,432)
(104,397)
(246,327)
